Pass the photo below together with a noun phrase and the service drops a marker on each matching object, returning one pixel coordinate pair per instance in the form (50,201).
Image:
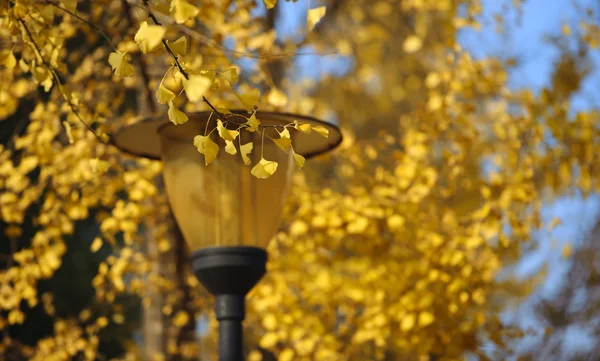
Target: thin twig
(57,79)
(90,24)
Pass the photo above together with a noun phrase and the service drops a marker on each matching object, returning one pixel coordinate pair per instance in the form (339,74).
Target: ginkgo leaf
(408,322)
(412,44)
(182,10)
(286,355)
(196,86)
(8,59)
(252,123)
(277,98)
(164,95)
(96,244)
(246,149)
(70,5)
(567,250)
(285,133)
(179,46)
(225,133)
(249,99)
(223,110)
(231,75)
(283,143)
(314,16)
(230,147)
(321,130)
(206,146)
(149,37)
(426,318)
(264,168)
(304,128)
(298,159)
(270,4)
(119,64)
(176,116)
(210,74)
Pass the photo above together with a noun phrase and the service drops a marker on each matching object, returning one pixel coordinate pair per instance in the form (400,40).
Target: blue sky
(526,40)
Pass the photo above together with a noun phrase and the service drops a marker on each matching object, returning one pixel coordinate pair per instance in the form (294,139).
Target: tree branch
(58,83)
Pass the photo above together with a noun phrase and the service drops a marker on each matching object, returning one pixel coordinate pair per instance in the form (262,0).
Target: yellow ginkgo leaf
(567,250)
(206,146)
(182,10)
(412,44)
(119,64)
(314,16)
(426,318)
(225,133)
(283,142)
(277,98)
(70,5)
(196,86)
(176,116)
(252,123)
(179,46)
(408,322)
(230,147)
(181,319)
(8,59)
(249,99)
(298,159)
(264,168)
(96,244)
(285,133)
(246,149)
(164,95)
(270,4)
(304,128)
(149,37)
(321,130)
(231,75)
(286,355)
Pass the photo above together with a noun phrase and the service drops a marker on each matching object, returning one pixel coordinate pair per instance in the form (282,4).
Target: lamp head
(222,204)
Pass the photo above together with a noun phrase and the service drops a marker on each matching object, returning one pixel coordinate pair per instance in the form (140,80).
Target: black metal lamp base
(229,273)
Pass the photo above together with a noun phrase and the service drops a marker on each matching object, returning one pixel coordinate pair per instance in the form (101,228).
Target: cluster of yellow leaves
(401,251)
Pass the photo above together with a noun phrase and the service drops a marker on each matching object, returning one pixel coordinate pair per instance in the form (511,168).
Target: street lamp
(226,215)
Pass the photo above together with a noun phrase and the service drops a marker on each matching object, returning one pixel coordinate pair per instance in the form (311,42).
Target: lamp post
(226,215)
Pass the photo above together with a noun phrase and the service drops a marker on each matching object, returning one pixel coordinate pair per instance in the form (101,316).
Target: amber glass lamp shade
(223,204)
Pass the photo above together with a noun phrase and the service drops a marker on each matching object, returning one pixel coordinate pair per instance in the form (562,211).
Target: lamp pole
(229,273)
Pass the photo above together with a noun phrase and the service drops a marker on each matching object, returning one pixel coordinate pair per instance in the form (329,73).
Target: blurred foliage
(391,246)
